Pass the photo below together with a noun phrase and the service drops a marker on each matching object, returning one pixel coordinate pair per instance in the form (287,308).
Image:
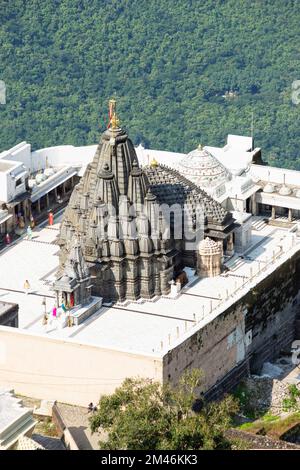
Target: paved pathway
(76,419)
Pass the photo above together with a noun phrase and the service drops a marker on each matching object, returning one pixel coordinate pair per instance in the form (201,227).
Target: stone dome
(31,183)
(40,177)
(269,188)
(209,247)
(285,190)
(49,171)
(203,169)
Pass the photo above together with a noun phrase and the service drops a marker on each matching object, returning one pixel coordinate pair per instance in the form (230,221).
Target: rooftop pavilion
(279,192)
(167,320)
(30,185)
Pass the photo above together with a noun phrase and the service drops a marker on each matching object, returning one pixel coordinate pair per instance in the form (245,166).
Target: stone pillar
(273,216)
(290,216)
(24,208)
(29,205)
(157,288)
(220,243)
(47,200)
(63,189)
(254,208)
(230,248)
(38,204)
(249,205)
(76,297)
(165,277)
(55,193)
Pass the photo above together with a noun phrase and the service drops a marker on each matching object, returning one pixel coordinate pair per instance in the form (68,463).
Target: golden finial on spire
(114,122)
(112,113)
(154,163)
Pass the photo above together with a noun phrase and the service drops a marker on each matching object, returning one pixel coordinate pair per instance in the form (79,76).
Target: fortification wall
(253,329)
(256,328)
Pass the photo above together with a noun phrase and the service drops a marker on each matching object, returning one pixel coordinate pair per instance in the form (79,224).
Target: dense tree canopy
(168,62)
(143,415)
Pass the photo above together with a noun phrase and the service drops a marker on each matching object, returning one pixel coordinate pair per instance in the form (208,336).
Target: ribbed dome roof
(209,247)
(203,168)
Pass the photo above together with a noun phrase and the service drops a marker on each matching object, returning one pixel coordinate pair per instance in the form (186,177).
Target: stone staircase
(235,264)
(258,224)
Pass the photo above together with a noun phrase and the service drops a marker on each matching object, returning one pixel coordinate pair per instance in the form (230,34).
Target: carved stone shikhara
(118,216)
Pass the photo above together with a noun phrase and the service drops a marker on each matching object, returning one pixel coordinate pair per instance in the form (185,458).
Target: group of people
(20,221)
(20,225)
(58,317)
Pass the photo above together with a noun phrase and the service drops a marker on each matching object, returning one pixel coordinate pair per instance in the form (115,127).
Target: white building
(160,337)
(32,182)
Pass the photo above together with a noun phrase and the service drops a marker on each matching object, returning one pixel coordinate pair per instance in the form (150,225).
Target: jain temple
(120,261)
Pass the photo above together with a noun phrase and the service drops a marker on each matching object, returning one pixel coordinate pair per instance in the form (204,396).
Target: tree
(145,415)
(168,63)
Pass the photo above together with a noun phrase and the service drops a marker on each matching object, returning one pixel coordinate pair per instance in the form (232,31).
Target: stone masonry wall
(256,328)
(272,307)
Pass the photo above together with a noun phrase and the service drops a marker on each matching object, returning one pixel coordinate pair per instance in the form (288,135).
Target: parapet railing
(242,280)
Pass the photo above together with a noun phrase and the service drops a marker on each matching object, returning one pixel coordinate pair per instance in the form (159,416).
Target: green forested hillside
(168,62)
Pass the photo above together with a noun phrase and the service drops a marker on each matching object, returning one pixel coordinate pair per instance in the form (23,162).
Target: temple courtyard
(142,327)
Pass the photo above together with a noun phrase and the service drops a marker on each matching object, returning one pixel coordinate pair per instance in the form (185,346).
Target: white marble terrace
(166,320)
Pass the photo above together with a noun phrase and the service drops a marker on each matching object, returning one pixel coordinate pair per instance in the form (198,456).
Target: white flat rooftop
(11,408)
(146,327)
(15,419)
